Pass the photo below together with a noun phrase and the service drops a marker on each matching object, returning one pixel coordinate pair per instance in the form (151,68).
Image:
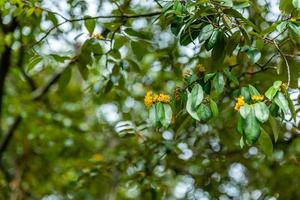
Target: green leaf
(274,127)
(214,108)
(265,143)
(212,41)
(219,82)
(204,112)
(253,55)
(208,76)
(253,91)
(282,26)
(206,32)
(90,24)
(281,101)
(190,109)
(252,128)
(33,62)
(245,93)
(294,28)
(277,84)
(153,116)
(291,107)
(231,76)
(167,115)
(261,112)
(233,42)
(242,143)
(139,49)
(245,110)
(271,92)
(296,4)
(197,95)
(240,125)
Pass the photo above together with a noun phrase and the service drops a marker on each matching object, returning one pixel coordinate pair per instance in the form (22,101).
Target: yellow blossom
(257,97)
(164,98)
(293,19)
(240,102)
(97,157)
(98,36)
(148,100)
(283,87)
(201,68)
(151,98)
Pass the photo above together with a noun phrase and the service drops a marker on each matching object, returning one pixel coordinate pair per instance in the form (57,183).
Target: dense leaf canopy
(155,99)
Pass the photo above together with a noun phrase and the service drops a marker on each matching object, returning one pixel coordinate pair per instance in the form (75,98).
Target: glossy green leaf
(211,42)
(219,82)
(281,101)
(197,95)
(190,109)
(271,92)
(296,4)
(153,116)
(252,128)
(231,76)
(245,110)
(253,91)
(295,28)
(204,112)
(261,112)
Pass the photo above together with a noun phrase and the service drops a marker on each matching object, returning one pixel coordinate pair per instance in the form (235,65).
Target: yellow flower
(240,102)
(97,157)
(151,98)
(148,100)
(98,36)
(257,97)
(201,68)
(164,98)
(293,19)
(283,87)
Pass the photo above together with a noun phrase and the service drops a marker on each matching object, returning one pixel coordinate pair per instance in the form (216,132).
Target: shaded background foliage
(73,78)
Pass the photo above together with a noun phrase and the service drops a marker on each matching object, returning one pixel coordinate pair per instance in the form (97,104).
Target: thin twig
(286,62)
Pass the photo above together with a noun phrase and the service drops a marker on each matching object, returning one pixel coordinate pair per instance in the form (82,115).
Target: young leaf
(295,28)
(253,91)
(214,108)
(281,101)
(261,112)
(277,84)
(265,143)
(206,32)
(296,4)
(208,76)
(164,114)
(271,92)
(242,143)
(90,24)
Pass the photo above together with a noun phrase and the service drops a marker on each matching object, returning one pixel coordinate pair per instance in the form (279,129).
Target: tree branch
(123,16)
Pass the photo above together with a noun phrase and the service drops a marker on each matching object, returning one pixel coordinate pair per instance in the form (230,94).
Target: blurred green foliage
(219,120)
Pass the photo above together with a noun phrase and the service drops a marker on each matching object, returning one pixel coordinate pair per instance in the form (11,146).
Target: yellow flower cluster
(257,97)
(240,102)
(151,98)
(98,36)
(283,87)
(293,19)
(201,68)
